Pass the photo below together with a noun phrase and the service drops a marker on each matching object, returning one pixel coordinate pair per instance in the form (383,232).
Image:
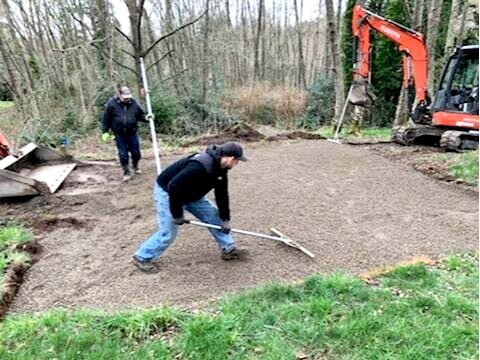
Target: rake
(280,237)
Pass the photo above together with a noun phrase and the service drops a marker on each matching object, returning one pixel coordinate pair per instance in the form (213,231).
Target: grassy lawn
(6,104)
(367,133)
(465,167)
(11,237)
(411,312)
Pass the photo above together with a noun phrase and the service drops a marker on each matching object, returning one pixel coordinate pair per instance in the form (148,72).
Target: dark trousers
(128,144)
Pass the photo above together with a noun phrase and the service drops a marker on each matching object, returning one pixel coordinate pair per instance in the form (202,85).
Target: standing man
(122,114)
(183,186)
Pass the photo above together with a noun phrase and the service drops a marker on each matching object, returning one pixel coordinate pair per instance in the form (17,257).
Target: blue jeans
(158,242)
(128,144)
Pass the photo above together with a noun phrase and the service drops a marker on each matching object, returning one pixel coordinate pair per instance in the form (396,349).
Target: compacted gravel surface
(353,208)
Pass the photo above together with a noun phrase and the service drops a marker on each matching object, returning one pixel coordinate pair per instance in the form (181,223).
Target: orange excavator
(452,120)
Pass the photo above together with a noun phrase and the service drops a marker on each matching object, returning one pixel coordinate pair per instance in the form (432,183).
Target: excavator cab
(458,89)
(455,108)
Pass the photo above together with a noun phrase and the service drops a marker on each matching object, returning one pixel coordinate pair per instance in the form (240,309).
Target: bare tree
(206,54)
(336,65)
(301,63)
(435,9)
(256,43)
(455,25)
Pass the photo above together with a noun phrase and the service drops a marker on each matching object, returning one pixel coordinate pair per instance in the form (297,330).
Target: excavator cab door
(458,91)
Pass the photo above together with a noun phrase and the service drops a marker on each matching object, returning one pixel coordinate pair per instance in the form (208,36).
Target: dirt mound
(239,132)
(296,135)
(245,133)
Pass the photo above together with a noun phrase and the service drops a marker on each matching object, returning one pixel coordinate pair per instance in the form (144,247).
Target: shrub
(166,109)
(320,104)
(260,104)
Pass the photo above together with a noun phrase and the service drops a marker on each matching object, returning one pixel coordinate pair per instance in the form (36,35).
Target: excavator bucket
(361,94)
(34,170)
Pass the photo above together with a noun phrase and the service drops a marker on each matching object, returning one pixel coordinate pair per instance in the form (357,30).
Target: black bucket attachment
(34,170)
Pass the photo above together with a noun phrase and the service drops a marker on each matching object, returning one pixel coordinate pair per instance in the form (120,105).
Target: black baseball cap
(232,148)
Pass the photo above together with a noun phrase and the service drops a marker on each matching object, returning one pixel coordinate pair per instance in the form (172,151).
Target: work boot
(136,170)
(234,254)
(126,173)
(145,266)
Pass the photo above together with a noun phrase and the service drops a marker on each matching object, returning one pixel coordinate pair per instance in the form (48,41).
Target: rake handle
(244,232)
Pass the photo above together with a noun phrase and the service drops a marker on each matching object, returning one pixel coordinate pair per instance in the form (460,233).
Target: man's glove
(106,137)
(179,221)
(226,228)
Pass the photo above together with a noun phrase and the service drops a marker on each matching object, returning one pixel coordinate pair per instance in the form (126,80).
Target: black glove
(226,227)
(179,221)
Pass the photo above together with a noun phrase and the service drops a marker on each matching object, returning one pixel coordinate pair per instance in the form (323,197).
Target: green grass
(6,104)
(416,312)
(465,167)
(367,133)
(12,237)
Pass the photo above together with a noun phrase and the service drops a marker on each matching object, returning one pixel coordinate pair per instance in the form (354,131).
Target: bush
(382,113)
(264,114)
(206,117)
(320,104)
(166,109)
(260,104)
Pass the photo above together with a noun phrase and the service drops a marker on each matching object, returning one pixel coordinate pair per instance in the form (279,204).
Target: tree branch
(145,53)
(82,24)
(170,77)
(110,57)
(84,44)
(124,35)
(156,62)
(128,53)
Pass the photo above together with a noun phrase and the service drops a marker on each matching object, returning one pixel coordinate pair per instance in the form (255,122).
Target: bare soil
(355,207)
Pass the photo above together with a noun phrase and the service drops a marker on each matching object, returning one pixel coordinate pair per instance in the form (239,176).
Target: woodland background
(210,63)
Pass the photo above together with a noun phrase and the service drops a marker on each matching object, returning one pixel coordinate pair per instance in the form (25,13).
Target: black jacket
(121,117)
(191,178)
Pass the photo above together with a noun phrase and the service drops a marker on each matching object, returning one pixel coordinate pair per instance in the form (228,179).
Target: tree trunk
(435,9)
(206,57)
(135,11)
(256,43)
(301,82)
(155,51)
(336,60)
(454,31)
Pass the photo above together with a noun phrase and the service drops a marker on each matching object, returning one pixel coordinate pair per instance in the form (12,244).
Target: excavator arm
(415,60)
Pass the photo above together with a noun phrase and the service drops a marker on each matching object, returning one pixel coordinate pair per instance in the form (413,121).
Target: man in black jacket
(183,186)
(122,114)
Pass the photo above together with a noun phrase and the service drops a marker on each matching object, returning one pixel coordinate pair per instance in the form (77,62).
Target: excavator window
(460,84)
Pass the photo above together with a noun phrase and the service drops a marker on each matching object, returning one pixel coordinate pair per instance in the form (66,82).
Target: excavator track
(459,140)
(406,135)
